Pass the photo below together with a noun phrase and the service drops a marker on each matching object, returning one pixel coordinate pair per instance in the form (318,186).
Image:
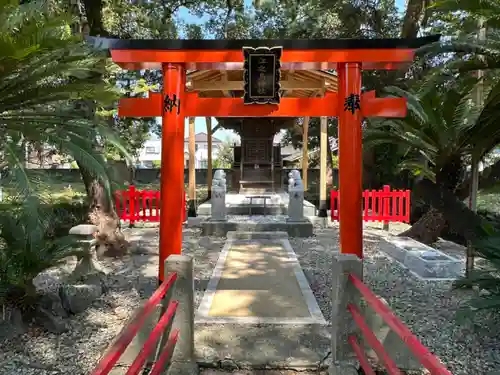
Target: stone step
(257,209)
(210,371)
(257,235)
(221,228)
(300,347)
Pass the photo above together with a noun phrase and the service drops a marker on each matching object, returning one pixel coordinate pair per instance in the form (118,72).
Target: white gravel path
(427,307)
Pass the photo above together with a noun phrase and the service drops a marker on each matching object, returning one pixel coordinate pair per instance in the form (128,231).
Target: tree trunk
(428,228)
(102,214)
(489,177)
(111,241)
(459,218)
(445,208)
(414,14)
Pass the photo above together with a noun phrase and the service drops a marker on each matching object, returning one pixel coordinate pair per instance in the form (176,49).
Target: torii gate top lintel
(134,54)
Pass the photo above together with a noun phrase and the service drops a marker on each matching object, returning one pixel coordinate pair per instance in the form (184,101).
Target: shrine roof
(294,83)
(237,44)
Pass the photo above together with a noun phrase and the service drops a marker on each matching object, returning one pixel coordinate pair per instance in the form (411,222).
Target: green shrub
(27,247)
(486,279)
(65,216)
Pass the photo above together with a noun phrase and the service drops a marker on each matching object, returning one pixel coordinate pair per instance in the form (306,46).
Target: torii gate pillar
(350,160)
(172,161)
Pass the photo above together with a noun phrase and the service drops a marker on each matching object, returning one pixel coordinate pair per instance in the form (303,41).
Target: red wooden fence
(420,352)
(379,205)
(141,205)
(162,329)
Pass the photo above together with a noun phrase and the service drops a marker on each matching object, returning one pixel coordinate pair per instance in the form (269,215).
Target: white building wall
(151,151)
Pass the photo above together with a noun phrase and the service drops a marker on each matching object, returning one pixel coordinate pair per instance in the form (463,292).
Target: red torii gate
(347,56)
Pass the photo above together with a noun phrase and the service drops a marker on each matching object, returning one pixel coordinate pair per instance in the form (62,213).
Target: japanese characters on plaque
(262,75)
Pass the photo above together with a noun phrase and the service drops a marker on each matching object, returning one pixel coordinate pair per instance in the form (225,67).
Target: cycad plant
(26,249)
(442,130)
(46,74)
(486,278)
(44,71)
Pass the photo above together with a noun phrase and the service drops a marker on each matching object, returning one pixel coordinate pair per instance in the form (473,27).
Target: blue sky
(200,125)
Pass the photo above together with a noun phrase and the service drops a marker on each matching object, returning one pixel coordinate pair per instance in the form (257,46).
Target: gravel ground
(428,308)
(130,280)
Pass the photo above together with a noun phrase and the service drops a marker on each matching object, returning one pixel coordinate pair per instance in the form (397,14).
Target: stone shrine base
(241,223)
(239,204)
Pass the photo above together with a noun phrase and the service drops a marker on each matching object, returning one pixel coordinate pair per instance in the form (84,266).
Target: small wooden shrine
(257,160)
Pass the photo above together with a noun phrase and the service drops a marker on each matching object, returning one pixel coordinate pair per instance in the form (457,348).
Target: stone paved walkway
(258,280)
(258,309)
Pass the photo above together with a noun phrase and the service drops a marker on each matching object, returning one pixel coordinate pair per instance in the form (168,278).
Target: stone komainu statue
(295,181)
(219,180)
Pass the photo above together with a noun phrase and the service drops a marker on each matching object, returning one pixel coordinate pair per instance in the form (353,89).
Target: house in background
(150,153)
(201,150)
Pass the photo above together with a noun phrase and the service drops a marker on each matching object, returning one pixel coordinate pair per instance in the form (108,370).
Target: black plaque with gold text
(262,75)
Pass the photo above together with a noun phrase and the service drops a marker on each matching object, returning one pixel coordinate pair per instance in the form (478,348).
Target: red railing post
(334,205)
(378,205)
(386,207)
(366,204)
(131,205)
(419,351)
(408,207)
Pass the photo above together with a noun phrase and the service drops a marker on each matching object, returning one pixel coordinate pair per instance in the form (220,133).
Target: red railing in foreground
(379,205)
(162,329)
(421,353)
(141,205)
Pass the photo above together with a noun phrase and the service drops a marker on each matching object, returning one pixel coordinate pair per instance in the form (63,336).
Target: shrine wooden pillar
(209,157)
(192,169)
(323,150)
(305,152)
(350,158)
(172,162)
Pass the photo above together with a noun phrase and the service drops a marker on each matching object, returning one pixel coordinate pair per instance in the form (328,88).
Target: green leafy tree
(225,156)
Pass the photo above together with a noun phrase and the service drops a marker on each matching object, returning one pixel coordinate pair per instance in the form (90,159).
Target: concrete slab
(263,346)
(259,281)
(258,311)
(245,289)
(257,224)
(424,262)
(210,371)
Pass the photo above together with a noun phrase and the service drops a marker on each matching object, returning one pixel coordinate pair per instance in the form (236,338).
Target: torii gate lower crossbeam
(348,57)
